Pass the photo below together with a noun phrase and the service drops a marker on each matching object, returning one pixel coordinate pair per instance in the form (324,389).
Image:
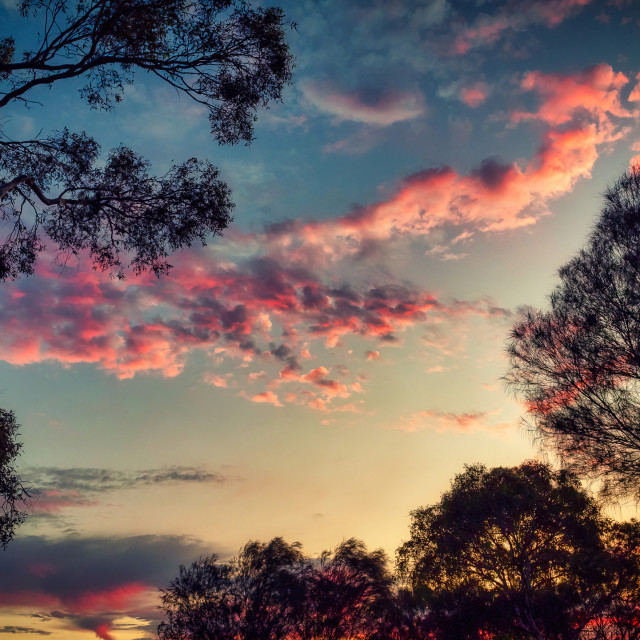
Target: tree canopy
(521,553)
(271,591)
(13,493)
(576,365)
(250,598)
(225,55)
(516,553)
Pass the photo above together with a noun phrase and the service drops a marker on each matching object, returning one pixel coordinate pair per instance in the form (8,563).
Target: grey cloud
(93,480)
(36,569)
(77,565)
(493,173)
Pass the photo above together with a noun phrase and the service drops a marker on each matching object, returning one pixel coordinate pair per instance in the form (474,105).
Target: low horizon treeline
(507,553)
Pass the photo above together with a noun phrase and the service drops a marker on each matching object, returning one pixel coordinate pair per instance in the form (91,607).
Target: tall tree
(517,553)
(349,595)
(13,493)
(226,55)
(272,592)
(576,365)
(251,598)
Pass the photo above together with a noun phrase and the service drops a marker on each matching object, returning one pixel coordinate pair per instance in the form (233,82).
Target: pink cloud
(125,597)
(119,598)
(373,108)
(331,388)
(584,114)
(447,421)
(487,29)
(103,631)
(272,311)
(216,381)
(153,326)
(373,355)
(87,609)
(53,501)
(634,96)
(474,95)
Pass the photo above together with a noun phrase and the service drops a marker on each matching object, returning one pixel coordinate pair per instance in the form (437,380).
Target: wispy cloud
(448,421)
(487,29)
(63,488)
(372,107)
(94,480)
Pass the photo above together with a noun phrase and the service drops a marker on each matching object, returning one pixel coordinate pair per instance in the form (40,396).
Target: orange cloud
(594,94)
(267,397)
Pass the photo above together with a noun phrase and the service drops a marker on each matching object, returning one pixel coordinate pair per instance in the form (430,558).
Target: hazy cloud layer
(63,488)
(94,480)
(90,582)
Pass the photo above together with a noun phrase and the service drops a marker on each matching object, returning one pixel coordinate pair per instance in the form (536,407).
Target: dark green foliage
(576,365)
(13,494)
(227,56)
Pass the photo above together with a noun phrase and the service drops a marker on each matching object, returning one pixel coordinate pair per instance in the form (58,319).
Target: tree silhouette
(225,55)
(509,553)
(620,619)
(576,365)
(349,595)
(13,493)
(272,592)
(514,553)
(251,598)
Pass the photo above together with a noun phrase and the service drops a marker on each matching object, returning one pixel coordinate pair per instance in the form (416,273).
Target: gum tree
(226,55)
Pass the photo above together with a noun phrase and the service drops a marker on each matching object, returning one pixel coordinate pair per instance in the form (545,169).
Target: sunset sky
(335,359)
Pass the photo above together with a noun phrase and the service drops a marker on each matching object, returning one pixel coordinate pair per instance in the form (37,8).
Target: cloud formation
(448,421)
(92,480)
(267,312)
(63,488)
(377,108)
(281,303)
(583,113)
(91,583)
(487,29)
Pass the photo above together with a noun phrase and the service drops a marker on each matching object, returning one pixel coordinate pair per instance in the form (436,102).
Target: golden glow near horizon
(336,358)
